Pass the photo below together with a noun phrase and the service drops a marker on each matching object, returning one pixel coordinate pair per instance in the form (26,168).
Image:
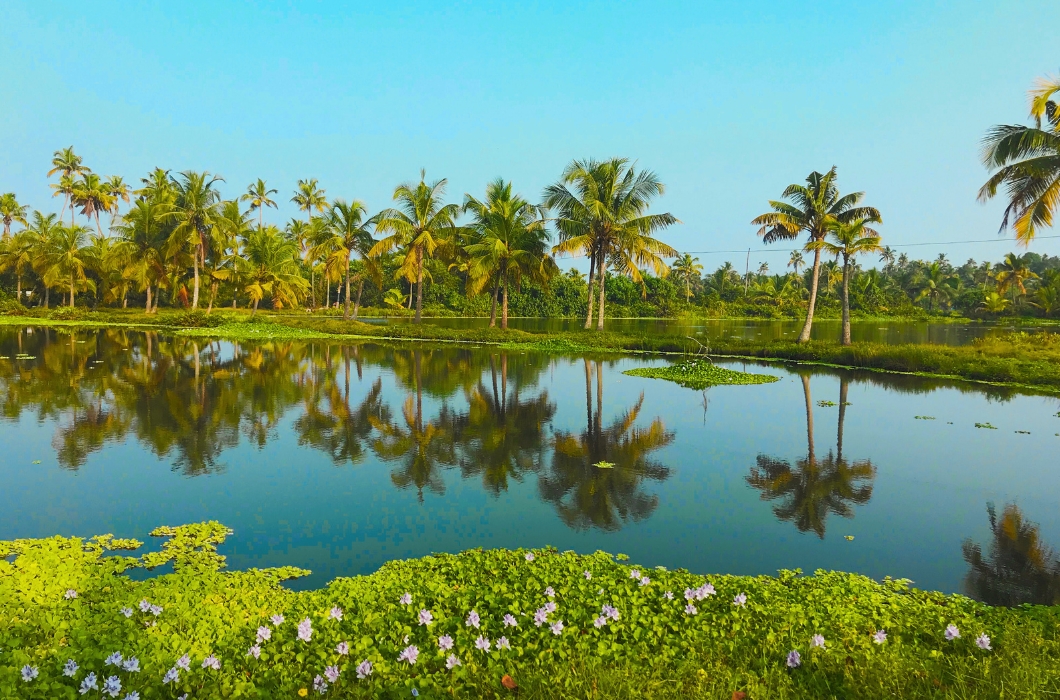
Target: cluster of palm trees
(180,236)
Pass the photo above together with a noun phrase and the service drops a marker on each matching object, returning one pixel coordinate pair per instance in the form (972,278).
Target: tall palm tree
(309,198)
(194,212)
(258,194)
(230,225)
(602,212)
(1028,163)
(848,240)
(796,261)
(887,257)
(68,255)
(811,209)
(934,285)
(41,232)
(509,241)
(269,267)
(349,226)
(118,192)
(69,165)
(1013,273)
(91,194)
(144,228)
(419,225)
(11,211)
(16,254)
(685,268)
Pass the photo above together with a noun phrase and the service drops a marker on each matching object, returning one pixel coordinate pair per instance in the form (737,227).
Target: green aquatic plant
(985,425)
(924,417)
(826,404)
(700,374)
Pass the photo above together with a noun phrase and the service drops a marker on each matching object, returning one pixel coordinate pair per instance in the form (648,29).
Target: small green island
(700,373)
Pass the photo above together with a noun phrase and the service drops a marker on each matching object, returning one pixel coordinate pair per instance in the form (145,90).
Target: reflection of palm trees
(595,478)
(421,447)
(337,429)
(815,487)
(1019,568)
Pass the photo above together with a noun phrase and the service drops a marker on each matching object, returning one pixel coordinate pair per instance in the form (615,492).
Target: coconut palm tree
(68,255)
(145,229)
(269,267)
(69,166)
(118,191)
(91,194)
(933,284)
(194,213)
(994,303)
(41,232)
(309,198)
(258,194)
(11,211)
(686,268)
(1028,165)
(1013,273)
(887,257)
(16,254)
(420,225)
(350,226)
(811,209)
(230,225)
(602,213)
(796,261)
(509,241)
(847,240)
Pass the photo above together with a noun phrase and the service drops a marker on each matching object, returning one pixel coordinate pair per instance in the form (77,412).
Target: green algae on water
(700,374)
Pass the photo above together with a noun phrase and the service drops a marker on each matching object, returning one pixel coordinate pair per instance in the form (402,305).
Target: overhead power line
(894,245)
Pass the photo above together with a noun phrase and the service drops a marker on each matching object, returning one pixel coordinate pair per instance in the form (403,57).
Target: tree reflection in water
(1018,569)
(814,488)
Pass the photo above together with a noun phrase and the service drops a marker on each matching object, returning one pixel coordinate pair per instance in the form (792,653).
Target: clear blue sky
(727,101)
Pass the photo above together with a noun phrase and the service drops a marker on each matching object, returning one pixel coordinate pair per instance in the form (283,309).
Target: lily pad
(604,465)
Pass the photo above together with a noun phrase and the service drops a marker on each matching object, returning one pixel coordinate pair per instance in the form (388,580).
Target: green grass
(700,374)
(653,648)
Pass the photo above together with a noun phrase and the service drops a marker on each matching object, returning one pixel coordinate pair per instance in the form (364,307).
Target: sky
(728,102)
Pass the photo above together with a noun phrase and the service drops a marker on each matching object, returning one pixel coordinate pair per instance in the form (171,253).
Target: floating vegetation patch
(604,465)
(1023,432)
(924,417)
(985,425)
(826,404)
(700,374)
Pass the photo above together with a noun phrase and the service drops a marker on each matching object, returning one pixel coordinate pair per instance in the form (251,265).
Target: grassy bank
(608,629)
(1017,359)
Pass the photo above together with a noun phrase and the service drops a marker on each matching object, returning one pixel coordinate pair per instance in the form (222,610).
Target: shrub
(67,313)
(198,319)
(10,307)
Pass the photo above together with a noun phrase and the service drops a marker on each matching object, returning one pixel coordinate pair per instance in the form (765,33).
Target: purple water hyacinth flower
(112,686)
(305,630)
(410,654)
(70,669)
(343,648)
(132,696)
(113,660)
(331,673)
(335,613)
(557,627)
(550,592)
(319,685)
(635,574)
(644,580)
(600,621)
(529,556)
(445,642)
(364,669)
(588,575)
(264,634)
(415,692)
(817,641)
(549,607)
(70,594)
(483,644)
(952,633)
(155,610)
(510,621)
(276,620)
(740,600)
(172,676)
(127,612)
(212,661)
(704,591)
(182,697)
(254,651)
(452,662)
(405,639)
(184,662)
(144,605)
(88,684)
(609,611)
(406,599)
(540,616)
(691,609)
(600,592)
(472,619)
(425,617)
(879,637)
(794,659)
(669,595)
(983,642)
(30,672)
(131,665)
(689,594)
(503,643)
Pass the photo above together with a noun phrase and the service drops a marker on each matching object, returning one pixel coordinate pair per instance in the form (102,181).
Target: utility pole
(747,272)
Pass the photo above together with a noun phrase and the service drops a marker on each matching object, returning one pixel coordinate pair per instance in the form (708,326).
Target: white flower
(452,662)
(482,644)
(503,643)
(588,575)
(952,633)
(127,612)
(529,556)
(254,651)
(29,673)
(212,661)
(406,599)
(70,594)
(557,627)
(817,641)
(983,642)
(335,613)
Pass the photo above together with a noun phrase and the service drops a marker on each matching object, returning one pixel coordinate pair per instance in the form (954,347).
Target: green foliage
(653,646)
(700,374)
(10,307)
(199,319)
(67,313)
(987,426)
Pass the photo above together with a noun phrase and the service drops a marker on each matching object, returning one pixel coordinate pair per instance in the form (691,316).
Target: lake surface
(339,457)
(891,332)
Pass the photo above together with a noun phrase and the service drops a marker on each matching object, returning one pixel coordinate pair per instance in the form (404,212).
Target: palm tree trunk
(588,398)
(313,285)
(18,288)
(125,299)
(809,418)
(255,307)
(346,309)
(844,385)
(357,305)
(493,306)
(71,290)
(846,301)
(602,264)
(419,284)
(47,293)
(195,292)
(589,316)
(148,310)
(213,295)
(804,336)
(97,225)
(504,306)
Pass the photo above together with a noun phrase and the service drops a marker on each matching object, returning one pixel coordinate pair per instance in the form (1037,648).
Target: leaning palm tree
(69,166)
(194,213)
(420,225)
(811,209)
(602,213)
(269,266)
(349,226)
(509,241)
(11,211)
(258,194)
(309,197)
(847,240)
(1028,163)
(686,268)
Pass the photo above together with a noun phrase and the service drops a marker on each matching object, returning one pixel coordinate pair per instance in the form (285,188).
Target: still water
(338,457)
(891,332)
